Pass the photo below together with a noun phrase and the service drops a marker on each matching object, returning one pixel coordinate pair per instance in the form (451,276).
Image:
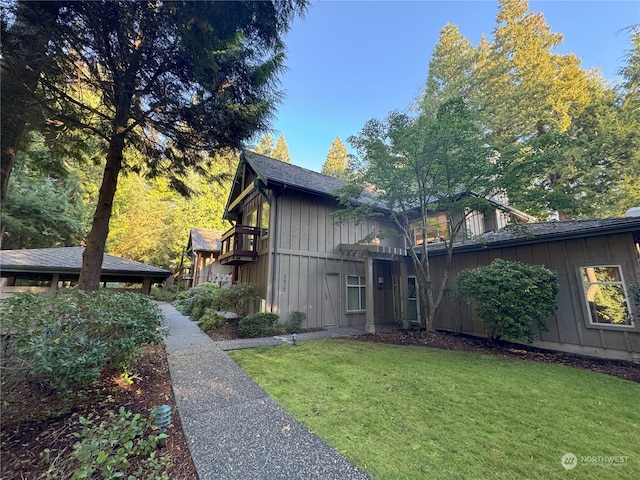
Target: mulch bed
(449,341)
(26,433)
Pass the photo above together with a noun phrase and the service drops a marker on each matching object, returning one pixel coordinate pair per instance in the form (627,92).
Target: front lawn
(411,412)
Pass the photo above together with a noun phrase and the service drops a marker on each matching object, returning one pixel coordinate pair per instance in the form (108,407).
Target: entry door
(412,297)
(331,300)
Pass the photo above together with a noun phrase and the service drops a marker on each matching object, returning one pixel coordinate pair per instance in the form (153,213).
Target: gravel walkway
(233,428)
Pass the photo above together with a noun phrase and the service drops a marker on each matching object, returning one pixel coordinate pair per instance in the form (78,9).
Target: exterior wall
(208,269)
(309,272)
(570,328)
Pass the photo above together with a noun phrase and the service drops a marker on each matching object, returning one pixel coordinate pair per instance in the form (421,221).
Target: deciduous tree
(414,166)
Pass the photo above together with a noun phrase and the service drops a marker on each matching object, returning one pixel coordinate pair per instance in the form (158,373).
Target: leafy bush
(65,338)
(164,294)
(510,297)
(104,450)
(238,298)
(211,320)
(296,319)
(260,325)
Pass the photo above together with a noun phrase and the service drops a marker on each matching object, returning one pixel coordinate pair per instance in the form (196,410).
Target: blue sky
(350,61)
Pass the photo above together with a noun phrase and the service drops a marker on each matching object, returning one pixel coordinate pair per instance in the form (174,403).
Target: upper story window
(251,218)
(605,295)
(265,212)
(437,230)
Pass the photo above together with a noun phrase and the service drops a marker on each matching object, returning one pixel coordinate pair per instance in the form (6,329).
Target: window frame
(585,299)
(362,292)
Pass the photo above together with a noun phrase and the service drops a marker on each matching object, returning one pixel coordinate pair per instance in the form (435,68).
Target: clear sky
(350,61)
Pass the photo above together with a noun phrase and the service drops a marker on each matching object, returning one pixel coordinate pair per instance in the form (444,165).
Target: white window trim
(585,300)
(347,287)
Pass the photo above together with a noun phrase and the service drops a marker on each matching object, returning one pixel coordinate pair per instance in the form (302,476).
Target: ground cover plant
(401,412)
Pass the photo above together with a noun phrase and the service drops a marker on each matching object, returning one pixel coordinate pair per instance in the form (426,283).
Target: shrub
(164,294)
(511,297)
(239,298)
(296,319)
(65,338)
(104,450)
(211,320)
(260,325)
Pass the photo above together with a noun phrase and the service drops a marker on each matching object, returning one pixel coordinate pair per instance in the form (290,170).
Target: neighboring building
(47,269)
(285,241)
(203,248)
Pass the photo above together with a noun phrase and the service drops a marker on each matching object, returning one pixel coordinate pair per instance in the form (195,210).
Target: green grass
(416,413)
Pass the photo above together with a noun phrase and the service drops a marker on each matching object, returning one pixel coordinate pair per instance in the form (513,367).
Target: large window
(265,210)
(605,295)
(437,230)
(356,296)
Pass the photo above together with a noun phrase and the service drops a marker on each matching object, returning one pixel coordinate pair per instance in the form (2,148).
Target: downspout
(274,265)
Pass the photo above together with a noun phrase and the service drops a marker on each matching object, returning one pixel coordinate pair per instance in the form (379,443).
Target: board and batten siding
(569,329)
(311,271)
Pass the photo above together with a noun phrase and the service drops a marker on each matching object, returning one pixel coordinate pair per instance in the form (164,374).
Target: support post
(370,326)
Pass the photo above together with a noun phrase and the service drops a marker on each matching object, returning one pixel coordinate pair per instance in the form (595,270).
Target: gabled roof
(530,233)
(68,260)
(276,173)
(203,240)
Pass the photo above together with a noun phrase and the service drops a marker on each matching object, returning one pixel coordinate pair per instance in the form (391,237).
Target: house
(203,249)
(598,266)
(285,240)
(47,269)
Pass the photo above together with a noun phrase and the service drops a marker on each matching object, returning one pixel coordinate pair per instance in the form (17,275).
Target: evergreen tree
(175,80)
(337,162)
(265,146)
(281,152)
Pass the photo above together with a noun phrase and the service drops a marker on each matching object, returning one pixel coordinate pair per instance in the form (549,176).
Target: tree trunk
(23,58)
(94,251)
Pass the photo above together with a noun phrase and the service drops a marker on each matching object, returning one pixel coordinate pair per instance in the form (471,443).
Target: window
(437,230)
(265,210)
(605,295)
(251,218)
(356,298)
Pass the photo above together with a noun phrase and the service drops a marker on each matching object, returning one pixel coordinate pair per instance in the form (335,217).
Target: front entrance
(331,300)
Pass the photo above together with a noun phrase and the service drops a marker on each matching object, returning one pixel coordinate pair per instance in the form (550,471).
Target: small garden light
(162,418)
(294,338)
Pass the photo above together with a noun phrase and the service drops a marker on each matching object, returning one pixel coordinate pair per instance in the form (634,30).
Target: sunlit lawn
(416,413)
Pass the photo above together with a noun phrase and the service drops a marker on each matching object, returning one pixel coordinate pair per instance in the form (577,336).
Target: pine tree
(337,162)
(281,152)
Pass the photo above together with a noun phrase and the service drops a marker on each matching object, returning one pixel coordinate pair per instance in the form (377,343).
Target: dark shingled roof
(203,240)
(528,233)
(69,260)
(276,173)
(282,173)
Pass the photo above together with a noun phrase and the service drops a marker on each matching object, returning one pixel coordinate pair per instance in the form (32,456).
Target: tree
(451,68)
(415,166)
(281,152)
(337,162)
(176,79)
(151,221)
(24,47)
(265,146)
(44,206)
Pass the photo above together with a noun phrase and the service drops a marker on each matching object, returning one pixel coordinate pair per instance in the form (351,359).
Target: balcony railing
(239,245)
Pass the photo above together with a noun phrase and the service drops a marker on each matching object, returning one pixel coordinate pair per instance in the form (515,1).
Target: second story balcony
(239,245)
